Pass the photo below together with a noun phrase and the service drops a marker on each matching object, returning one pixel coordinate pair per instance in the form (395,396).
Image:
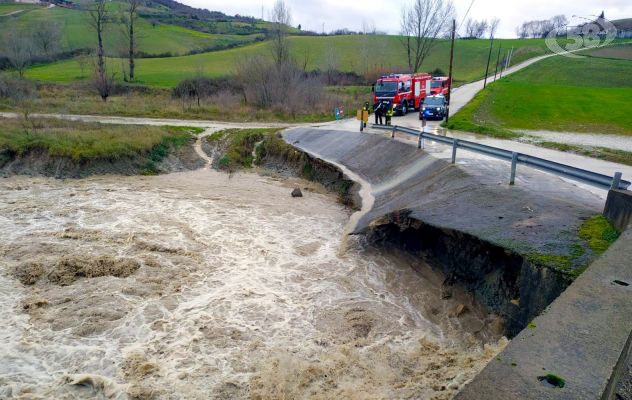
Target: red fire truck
(440,85)
(405,91)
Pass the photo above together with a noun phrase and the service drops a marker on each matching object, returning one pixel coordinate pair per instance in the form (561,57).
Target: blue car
(433,108)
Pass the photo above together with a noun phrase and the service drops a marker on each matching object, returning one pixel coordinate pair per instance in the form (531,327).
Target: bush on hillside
(16,89)
(202,88)
(282,87)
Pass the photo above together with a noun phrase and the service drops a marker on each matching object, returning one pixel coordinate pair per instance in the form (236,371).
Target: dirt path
(12,13)
(106,119)
(198,147)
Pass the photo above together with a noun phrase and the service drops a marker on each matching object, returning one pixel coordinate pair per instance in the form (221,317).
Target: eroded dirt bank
(39,163)
(201,284)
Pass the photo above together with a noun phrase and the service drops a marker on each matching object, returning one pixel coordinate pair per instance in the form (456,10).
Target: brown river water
(202,285)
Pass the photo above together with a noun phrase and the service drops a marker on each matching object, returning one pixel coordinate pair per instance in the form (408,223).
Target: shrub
(201,87)
(283,87)
(16,89)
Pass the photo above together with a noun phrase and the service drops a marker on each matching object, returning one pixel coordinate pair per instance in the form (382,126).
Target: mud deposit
(198,285)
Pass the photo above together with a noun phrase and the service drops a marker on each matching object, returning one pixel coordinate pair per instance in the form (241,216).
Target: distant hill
(623,24)
(165,28)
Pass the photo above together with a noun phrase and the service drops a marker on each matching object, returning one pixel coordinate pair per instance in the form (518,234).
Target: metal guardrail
(578,174)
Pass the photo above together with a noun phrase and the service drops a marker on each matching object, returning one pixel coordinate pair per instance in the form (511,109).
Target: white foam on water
(238,292)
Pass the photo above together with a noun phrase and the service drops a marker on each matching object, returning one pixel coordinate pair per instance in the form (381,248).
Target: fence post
(514,164)
(393,132)
(616,181)
(455,145)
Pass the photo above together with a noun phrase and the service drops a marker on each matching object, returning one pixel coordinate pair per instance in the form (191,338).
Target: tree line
(540,28)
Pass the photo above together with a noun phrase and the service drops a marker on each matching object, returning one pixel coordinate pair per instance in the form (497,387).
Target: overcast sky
(336,14)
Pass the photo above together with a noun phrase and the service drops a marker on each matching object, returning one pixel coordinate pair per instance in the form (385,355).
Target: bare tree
(522,31)
(493,27)
(368,29)
(98,19)
(130,16)
(83,61)
(47,37)
(541,28)
(421,24)
(331,64)
(476,29)
(18,49)
(281,18)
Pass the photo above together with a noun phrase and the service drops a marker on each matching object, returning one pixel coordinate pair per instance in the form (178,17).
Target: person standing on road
(379,113)
(389,113)
(366,108)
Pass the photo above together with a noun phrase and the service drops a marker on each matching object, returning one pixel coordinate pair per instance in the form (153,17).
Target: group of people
(382,110)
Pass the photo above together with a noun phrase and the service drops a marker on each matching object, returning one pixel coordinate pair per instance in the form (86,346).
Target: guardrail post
(420,141)
(514,164)
(455,145)
(616,181)
(393,132)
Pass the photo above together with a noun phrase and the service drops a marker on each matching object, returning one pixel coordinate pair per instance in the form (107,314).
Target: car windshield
(436,84)
(433,101)
(383,88)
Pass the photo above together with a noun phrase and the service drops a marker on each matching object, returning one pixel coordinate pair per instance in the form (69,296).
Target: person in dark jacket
(379,113)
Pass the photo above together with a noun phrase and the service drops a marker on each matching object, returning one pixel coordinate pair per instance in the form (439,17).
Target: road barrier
(578,174)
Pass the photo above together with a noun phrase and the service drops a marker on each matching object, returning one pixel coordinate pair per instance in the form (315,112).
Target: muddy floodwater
(201,285)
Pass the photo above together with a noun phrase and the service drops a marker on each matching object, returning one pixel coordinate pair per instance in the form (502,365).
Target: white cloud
(336,14)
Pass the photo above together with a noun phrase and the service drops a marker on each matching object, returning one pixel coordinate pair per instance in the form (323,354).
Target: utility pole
(509,59)
(497,61)
(447,111)
(504,65)
(489,58)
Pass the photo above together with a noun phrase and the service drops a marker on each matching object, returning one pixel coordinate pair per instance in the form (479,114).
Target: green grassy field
(77,33)
(85,141)
(558,94)
(384,53)
(618,52)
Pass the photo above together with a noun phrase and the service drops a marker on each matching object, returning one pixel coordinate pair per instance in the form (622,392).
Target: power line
(466,14)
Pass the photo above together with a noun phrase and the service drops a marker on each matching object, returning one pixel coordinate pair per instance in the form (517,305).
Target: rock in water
(297,193)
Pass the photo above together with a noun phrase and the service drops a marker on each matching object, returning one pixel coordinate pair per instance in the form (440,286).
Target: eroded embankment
(506,282)
(72,149)
(40,163)
(514,249)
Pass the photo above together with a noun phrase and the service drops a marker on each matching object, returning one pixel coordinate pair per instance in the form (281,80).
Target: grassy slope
(82,141)
(6,8)
(153,40)
(560,94)
(384,51)
(619,52)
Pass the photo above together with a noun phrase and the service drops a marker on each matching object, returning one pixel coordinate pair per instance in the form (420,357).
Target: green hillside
(559,94)
(153,38)
(350,53)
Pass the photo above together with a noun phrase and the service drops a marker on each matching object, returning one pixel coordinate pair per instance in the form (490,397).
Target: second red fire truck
(405,91)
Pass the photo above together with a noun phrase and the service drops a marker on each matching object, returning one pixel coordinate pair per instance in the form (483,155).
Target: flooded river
(199,285)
